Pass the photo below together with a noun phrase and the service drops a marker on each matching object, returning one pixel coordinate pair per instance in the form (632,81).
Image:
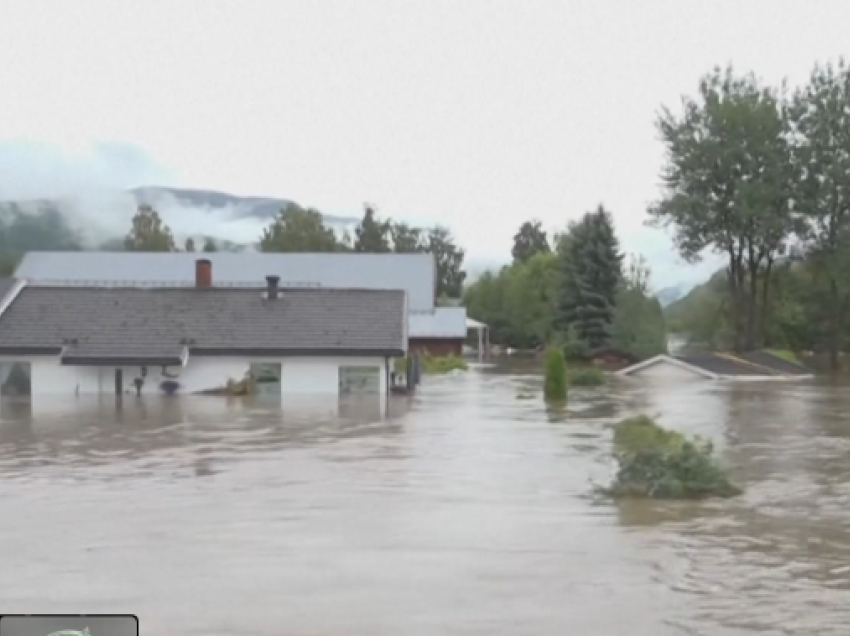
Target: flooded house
(113,338)
(440,330)
(753,365)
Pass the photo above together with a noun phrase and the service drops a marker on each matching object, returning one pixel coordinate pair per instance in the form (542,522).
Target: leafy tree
(529,240)
(517,303)
(190,245)
(726,184)
(372,235)
(449,260)
(298,230)
(149,233)
(530,294)
(406,239)
(592,272)
(638,325)
(210,245)
(555,376)
(821,123)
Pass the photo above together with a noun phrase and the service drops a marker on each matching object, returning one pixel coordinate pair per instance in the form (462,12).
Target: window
(266,377)
(359,380)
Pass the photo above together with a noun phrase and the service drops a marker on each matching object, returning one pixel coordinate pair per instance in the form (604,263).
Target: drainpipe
(387,374)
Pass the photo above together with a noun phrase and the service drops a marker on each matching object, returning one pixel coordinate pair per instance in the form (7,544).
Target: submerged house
(204,338)
(439,330)
(755,365)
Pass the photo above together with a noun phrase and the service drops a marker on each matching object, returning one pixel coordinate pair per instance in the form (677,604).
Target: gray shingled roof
(413,273)
(776,363)
(130,322)
(725,366)
(715,364)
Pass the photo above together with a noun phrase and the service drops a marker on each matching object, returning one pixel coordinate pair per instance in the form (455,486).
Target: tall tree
(531,239)
(449,260)
(591,265)
(190,245)
(298,230)
(821,124)
(149,233)
(726,184)
(371,235)
(210,245)
(638,325)
(406,239)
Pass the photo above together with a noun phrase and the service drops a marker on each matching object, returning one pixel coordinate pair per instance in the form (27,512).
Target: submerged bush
(555,384)
(433,365)
(443,364)
(587,376)
(660,464)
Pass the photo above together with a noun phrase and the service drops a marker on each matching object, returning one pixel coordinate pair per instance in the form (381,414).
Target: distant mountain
(235,207)
(669,295)
(263,208)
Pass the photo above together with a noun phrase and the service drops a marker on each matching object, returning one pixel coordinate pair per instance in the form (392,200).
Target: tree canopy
(591,265)
(529,240)
(578,298)
(372,235)
(148,233)
(764,179)
(298,230)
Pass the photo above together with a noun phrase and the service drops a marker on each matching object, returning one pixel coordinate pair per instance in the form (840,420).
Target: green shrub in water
(555,383)
(660,464)
(433,365)
(443,364)
(587,376)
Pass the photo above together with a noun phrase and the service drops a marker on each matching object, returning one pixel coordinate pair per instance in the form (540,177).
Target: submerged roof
(753,365)
(101,323)
(413,273)
(443,322)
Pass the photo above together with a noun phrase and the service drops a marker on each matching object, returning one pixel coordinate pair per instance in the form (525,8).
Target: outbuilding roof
(443,322)
(750,366)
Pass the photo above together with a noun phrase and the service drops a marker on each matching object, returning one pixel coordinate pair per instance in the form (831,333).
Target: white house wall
(299,376)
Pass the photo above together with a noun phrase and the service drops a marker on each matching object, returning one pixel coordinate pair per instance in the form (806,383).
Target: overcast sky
(476,114)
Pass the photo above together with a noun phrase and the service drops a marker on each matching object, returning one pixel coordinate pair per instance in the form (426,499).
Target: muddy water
(463,511)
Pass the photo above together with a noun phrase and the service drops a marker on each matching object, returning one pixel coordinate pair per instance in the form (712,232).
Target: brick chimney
(203,273)
(271,286)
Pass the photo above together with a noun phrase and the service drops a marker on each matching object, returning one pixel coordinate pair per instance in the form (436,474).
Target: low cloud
(91,187)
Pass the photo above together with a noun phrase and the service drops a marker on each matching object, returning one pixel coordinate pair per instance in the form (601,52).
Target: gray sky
(476,114)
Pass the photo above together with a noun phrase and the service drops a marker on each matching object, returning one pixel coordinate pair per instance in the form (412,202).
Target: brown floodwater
(465,510)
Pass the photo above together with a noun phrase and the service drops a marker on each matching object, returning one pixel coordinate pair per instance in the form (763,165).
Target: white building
(107,339)
(437,329)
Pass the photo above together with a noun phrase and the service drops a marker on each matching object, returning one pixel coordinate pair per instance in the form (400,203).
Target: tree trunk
(835,320)
(752,308)
(765,297)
